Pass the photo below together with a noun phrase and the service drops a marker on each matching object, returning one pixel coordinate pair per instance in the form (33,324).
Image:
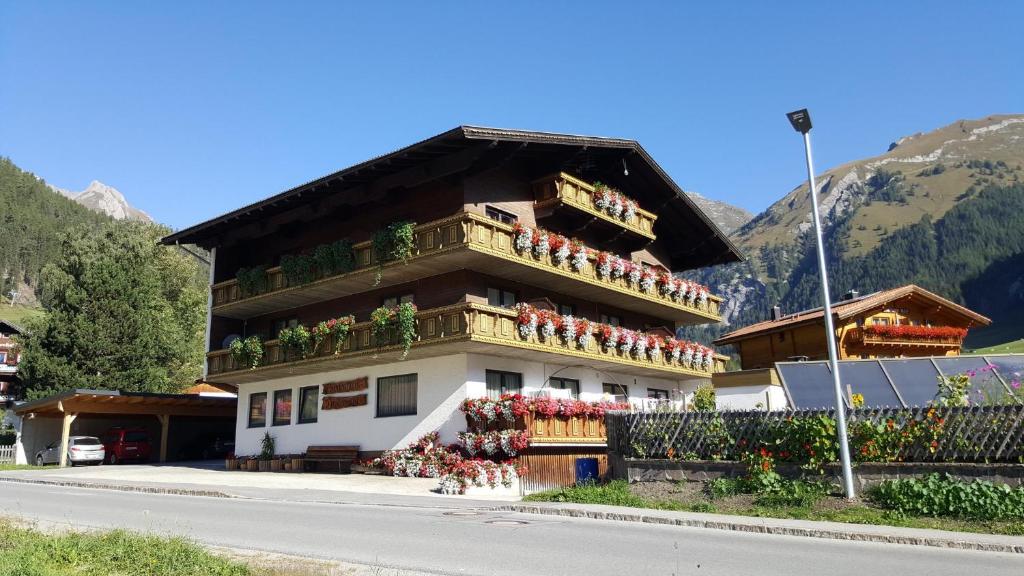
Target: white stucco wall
(440,388)
(442,384)
(769,397)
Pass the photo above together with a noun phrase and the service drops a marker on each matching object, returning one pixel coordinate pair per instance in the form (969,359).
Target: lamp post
(801,121)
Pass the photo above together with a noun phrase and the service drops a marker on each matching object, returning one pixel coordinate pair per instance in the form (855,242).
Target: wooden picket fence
(955,434)
(7,454)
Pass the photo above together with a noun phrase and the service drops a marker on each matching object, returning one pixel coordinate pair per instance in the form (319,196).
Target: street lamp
(801,121)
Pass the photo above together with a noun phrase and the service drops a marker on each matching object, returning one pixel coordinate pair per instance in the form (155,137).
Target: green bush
(704,399)
(252,281)
(247,352)
(395,242)
(790,493)
(297,339)
(297,269)
(944,495)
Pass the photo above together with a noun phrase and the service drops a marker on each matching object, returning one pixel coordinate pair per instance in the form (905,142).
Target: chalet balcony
(577,199)
(938,337)
(462,328)
(467,241)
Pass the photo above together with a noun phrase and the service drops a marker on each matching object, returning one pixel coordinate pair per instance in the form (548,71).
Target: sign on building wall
(338,402)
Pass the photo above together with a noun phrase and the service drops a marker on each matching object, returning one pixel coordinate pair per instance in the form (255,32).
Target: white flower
(655,351)
(524,240)
(702,296)
(604,201)
(647,283)
(709,359)
(604,269)
(584,336)
(617,207)
(547,330)
(568,329)
(626,341)
(634,275)
(579,259)
(688,356)
(525,330)
(562,254)
(618,267)
(675,354)
(613,338)
(630,210)
(542,246)
(640,346)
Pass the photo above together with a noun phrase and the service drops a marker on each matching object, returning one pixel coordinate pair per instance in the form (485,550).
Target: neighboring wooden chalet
(9,356)
(481,229)
(903,322)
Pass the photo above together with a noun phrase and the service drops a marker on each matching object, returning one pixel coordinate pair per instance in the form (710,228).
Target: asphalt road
(433,540)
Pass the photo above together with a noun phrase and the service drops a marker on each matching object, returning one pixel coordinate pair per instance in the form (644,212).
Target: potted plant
(251,464)
(266,452)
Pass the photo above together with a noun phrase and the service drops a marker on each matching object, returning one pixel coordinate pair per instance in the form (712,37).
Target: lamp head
(801,120)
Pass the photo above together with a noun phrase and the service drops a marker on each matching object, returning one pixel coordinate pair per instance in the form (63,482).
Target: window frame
(291,407)
(415,395)
(499,215)
(316,404)
(566,309)
(615,386)
(392,301)
(501,380)
(502,295)
(3,356)
(249,420)
(658,394)
(574,391)
(280,324)
(611,320)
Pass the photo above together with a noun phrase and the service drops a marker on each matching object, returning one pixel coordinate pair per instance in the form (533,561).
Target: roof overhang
(84,401)
(692,238)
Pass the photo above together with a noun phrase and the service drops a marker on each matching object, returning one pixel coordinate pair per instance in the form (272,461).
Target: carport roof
(117,402)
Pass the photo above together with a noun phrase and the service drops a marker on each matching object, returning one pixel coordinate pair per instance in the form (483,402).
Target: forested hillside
(31,221)
(944,210)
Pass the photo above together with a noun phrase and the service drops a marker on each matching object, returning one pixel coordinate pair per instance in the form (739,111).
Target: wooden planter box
(264,465)
(298,464)
(230,464)
(276,465)
(251,465)
(565,429)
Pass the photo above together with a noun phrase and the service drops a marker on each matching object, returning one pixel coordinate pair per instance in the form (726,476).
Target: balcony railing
(463,328)
(562,190)
(466,241)
(867,338)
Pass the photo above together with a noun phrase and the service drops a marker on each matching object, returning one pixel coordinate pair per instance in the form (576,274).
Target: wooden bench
(340,456)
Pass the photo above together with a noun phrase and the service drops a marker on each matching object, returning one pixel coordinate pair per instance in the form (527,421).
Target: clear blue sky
(192,109)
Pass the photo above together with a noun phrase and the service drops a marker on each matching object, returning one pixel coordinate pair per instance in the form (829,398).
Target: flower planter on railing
(564,190)
(945,336)
(565,429)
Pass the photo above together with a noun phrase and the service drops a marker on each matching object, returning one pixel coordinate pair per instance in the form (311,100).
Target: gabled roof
(695,241)
(9,327)
(849,309)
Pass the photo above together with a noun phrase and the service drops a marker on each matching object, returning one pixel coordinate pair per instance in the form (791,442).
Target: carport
(69,406)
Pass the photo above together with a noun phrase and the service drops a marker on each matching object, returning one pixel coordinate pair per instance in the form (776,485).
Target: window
(258,410)
(502,298)
(566,310)
(573,386)
(281,325)
(616,391)
(611,320)
(396,395)
(136,436)
(393,301)
(880,321)
(657,394)
(499,383)
(3,357)
(282,407)
(309,398)
(500,215)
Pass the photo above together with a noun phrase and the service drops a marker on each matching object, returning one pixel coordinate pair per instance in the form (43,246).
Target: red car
(127,444)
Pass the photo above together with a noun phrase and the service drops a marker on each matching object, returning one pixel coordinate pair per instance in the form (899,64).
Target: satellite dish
(229,339)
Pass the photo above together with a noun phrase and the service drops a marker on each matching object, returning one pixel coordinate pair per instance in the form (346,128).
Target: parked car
(206,447)
(124,444)
(81,450)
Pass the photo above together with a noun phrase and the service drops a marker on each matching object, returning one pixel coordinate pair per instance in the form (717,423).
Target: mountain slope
(106,200)
(726,216)
(940,209)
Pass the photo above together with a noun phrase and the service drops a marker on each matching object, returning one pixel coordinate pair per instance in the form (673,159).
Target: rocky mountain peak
(105,199)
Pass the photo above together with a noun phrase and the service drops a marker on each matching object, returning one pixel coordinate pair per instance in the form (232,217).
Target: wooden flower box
(565,429)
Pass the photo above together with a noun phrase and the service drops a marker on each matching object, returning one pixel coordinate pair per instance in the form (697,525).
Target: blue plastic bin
(586,470)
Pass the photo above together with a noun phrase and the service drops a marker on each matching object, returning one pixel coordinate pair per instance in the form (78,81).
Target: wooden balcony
(859,337)
(466,241)
(562,192)
(463,328)
(565,430)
